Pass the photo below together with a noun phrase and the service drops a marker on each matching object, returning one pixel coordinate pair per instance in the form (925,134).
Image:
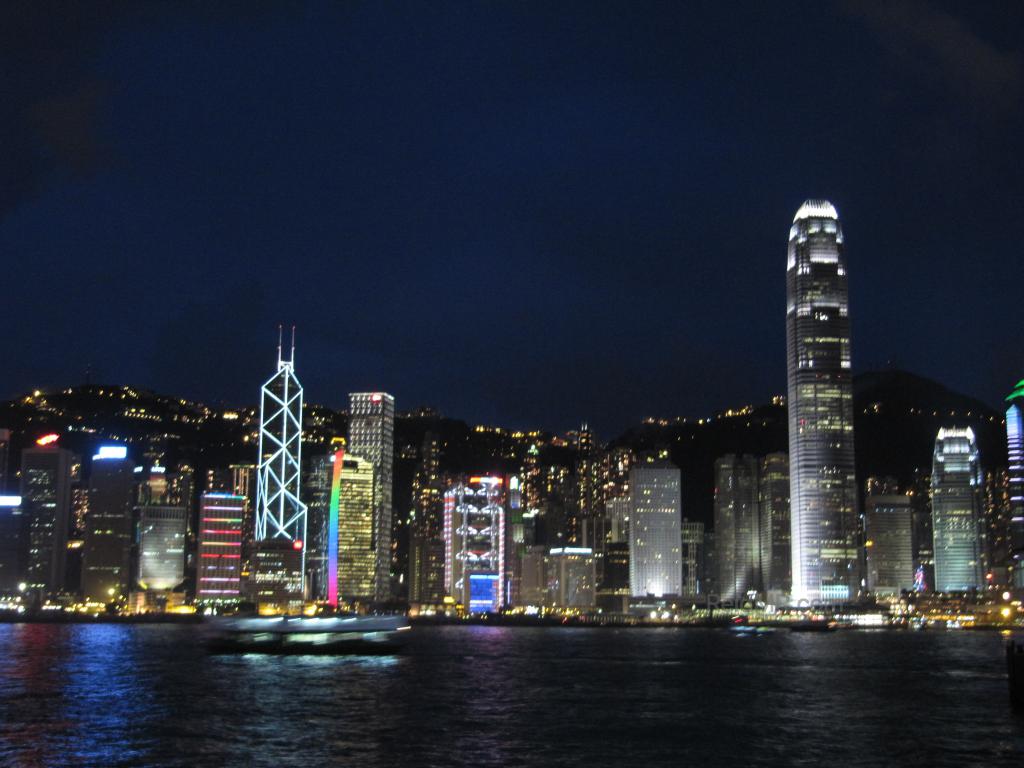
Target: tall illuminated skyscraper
(737,536)
(474,536)
(106,553)
(773,503)
(280,512)
(371,435)
(655,541)
(820,398)
(956,507)
(352,507)
(46,503)
(220,548)
(1015,454)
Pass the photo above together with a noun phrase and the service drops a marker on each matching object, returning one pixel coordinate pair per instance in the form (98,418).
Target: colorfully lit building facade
(775,527)
(371,435)
(357,551)
(655,514)
(280,513)
(316,495)
(888,544)
(737,534)
(474,535)
(107,548)
(46,504)
(1015,456)
(956,506)
(219,562)
(824,545)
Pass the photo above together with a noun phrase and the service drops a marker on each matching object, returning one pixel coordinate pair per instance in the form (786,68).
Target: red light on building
(49,439)
(376,397)
(297,544)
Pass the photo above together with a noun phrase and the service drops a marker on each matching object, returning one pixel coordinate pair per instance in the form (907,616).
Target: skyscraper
(773,503)
(46,503)
(888,542)
(316,496)
(13,545)
(161,547)
(820,397)
(426,545)
(1015,454)
(280,512)
(5,451)
(371,435)
(357,555)
(736,526)
(474,535)
(655,514)
(956,519)
(220,548)
(106,553)
(692,556)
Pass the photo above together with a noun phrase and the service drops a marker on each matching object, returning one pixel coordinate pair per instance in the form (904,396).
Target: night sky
(521,214)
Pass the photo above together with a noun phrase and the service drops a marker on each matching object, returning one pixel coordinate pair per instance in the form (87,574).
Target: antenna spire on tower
(279,332)
(293,346)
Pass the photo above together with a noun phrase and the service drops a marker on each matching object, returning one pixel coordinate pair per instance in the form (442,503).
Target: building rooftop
(819,209)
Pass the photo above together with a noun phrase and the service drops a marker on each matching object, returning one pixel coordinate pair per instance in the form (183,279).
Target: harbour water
(106,695)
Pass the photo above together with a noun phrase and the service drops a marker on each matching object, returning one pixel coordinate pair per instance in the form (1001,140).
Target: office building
(46,503)
(572,578)
(888,544)
(107,548)
(474,535)
(533,579)
(219,568)
(1015,456)
(161,547)
(426,536)
(13,545)
(617,512)
(280,513)
(692,557)
(737,533)
(773,509)
(316,495)
(371,435)
(655,514)
(5,459)
(277,582)
(357,551)
(824,545)
(956,520)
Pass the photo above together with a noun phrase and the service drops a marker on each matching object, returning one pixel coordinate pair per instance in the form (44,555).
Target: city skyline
(620,204)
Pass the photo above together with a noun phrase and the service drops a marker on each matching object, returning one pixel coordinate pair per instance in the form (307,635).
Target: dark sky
(525,214)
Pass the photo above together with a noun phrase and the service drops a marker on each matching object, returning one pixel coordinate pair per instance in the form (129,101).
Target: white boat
(306,634)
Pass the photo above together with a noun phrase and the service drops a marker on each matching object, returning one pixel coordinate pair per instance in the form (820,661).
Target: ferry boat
(307,634)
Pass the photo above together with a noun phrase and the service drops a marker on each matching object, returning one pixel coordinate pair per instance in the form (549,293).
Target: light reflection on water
(148,694)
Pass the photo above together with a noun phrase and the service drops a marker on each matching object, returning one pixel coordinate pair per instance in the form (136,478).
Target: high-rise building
(371,435)
(161,547)
(426,545)
(13,545)
(277,576)
(280,512)
(773,503)
(617,511)
(956,520)
(572,578)
(692,556)
(357,552)
(533,584)
(474,535)
(820,401)
(316,495)
(655,514)
(46,503)
(106,553)
(737,533)
(888,532)
(589,529)
(1015,455)
(219,569)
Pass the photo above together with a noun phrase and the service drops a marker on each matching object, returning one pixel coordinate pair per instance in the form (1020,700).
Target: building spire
(280,330)
(292,360)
